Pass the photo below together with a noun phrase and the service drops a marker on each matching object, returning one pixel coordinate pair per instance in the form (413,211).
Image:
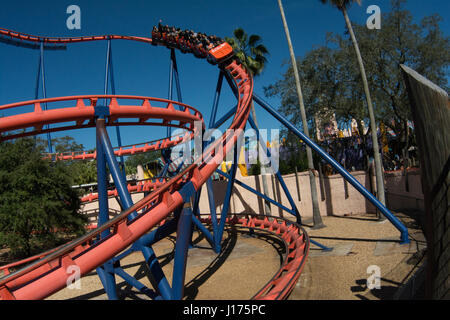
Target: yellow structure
(226,165)
(150,169)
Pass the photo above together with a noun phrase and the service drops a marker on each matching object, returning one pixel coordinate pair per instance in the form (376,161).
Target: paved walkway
(364,245)
(249,262)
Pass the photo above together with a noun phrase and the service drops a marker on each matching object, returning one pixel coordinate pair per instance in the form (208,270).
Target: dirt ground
(248,262)
(362,244)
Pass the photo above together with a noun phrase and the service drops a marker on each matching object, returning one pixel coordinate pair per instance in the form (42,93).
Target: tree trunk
(317,219)
(373,127)
(267,210)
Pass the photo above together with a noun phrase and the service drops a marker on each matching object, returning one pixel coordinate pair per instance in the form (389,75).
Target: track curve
(83,115)
(144,147)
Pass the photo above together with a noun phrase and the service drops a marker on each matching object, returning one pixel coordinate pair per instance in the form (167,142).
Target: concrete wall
(332,197)
(91,208)
(404,191)
(336,197)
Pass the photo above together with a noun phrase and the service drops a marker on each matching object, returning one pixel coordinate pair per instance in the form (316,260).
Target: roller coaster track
(66,40)
(140,186)
(83,115)
(46,274)
(144,147)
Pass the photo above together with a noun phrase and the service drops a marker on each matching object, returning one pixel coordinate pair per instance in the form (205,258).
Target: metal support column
(175,74)
(278,175)
(105,272)
(121,186)
(44,93)
(226,203)
(169,95)
(181,250)
(109,79)
(211,199)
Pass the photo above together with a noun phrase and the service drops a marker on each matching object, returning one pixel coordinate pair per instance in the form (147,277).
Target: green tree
(331,89)
(342,6)
(79,171)
(332,85)
(252,54)
(66,144)
(134,160)
(37,204)
(250,50)
(421,46)
(82,171)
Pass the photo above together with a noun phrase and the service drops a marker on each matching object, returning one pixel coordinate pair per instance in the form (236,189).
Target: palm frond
(260,50)
(253,40)
(341,4)
(249,50)
(239,33)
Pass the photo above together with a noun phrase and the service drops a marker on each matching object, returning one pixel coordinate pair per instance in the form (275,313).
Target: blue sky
(141,69)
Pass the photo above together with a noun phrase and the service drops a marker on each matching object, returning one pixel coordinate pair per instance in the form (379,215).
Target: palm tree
(249,49)
(342,5)
(252,53)
(317,219)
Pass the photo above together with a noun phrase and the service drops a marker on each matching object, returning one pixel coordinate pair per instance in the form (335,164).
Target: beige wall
(333,198)
(397,195)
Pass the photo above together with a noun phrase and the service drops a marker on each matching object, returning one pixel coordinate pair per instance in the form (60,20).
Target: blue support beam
(226,203)
(169,95)
(209,187)
(160,233)
(155,269)
(216,100)
(102,188)
(404,238)
(195,209)
(109,79)
(106,275)
(289,196)
(135,283)
(225,117)
(105,271)
(259,194)
(212,205)
(38,77)
(278,175)
(124,254)
(321,246)
(121,186)
(44,93)
(181,249)
(175,73)
(106,82)
(165,168)
(294,210)
(209,237)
